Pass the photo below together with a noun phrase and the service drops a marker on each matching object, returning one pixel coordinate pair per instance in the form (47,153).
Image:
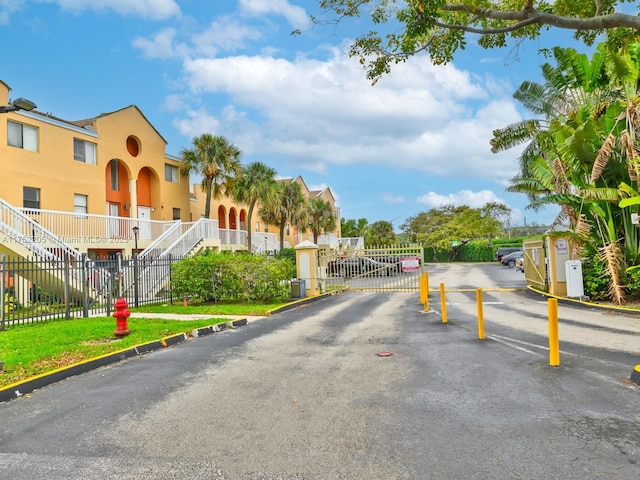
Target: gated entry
(383,269)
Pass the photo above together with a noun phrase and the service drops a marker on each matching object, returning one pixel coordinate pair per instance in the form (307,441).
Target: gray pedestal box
(298,288)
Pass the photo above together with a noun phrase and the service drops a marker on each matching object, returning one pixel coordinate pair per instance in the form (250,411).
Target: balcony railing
(83,228)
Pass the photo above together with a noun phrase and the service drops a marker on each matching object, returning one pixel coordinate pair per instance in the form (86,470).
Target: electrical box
(298,288)
(575,284)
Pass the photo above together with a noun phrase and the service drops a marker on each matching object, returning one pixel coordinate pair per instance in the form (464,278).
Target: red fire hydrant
(121,314)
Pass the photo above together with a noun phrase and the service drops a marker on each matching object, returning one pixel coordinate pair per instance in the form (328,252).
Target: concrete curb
(304,301)
(25,387)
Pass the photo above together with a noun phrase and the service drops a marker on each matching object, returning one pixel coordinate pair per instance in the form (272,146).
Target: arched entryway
(233,215)
(147,188)
(118,198)
(222,217)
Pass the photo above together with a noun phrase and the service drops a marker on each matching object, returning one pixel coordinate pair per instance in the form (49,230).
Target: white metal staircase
(180,240)
(26,238)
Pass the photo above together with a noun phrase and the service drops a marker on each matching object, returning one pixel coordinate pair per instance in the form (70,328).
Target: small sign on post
(410,264)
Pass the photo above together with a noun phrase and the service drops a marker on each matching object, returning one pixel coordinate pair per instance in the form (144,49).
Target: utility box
(575,284)
(298,288)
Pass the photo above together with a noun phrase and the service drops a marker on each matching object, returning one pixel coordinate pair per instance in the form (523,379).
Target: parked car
(511,259)
(502,251)
(354,266)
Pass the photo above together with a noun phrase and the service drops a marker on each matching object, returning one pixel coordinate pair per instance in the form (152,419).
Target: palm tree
(256,183)
(585,156)
(216,160)
(380,233)
(320,218)
(289,208)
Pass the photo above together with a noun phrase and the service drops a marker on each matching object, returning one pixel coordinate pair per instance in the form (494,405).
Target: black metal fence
(33,290)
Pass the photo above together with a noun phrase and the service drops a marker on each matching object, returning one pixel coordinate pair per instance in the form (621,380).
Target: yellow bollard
(554,341)
(443,301)
(426,291)
(480,314)
(422,292)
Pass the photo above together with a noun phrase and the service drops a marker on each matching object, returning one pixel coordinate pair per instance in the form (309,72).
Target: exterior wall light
(18,104)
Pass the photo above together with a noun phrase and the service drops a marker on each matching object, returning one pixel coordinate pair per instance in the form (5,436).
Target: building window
(266,228)
(115,177)
(133,146)
(170,173)
(22,136)
(31,198)
(176,214)
(80,203)
(257,226)
(286,229)
(84,151)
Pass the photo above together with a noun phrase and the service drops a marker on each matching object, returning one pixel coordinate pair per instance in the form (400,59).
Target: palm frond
(603,156)
(613,258)
(513,135)
(600,194)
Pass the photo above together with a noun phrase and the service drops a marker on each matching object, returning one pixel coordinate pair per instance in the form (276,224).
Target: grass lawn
(30,350)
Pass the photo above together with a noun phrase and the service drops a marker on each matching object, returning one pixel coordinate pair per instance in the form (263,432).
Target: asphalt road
(305,394)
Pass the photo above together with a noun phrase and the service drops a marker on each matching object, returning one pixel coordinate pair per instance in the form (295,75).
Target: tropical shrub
(235,277)
(595,278)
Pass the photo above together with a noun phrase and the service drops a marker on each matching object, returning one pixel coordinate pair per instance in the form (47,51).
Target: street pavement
(356,386)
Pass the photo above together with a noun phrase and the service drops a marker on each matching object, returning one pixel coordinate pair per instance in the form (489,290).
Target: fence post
(426,291)
(119,275)
(135,279)
(480,314)
(554,341)
(443,301)
(67,293)
(171,280)
(85,286)
(2,289)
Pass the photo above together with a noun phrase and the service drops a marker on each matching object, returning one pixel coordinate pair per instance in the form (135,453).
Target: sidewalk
(195,316)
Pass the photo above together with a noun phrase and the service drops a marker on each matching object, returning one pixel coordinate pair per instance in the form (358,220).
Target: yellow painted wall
(54,171)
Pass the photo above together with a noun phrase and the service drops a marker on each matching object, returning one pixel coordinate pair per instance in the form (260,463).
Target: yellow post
(422,294)
(554,341)
(480,314)
(443,301)
(426,291)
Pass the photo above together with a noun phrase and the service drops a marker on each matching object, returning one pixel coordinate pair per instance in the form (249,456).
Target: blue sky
(416,140)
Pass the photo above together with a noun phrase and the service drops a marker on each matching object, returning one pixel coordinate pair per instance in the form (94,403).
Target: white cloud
(463,197)
(226,34)
(197,123)
(9,7)
(152,9)
(161,45)
(436,120)
(295,15)
(392,198)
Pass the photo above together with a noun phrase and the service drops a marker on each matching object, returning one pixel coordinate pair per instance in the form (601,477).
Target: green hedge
(474,251)
(236,277)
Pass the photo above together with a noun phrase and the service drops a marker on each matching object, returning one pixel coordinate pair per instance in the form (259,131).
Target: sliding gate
(388,269)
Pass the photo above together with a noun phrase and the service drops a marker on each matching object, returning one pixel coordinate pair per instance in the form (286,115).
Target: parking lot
(306,394)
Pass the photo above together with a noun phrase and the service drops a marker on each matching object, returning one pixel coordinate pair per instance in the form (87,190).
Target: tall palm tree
(289,208)
(217,160)
(256,183)
(320,218)
(585,157)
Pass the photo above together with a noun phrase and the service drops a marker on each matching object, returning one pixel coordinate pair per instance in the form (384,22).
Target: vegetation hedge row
(473,251)
(235,277)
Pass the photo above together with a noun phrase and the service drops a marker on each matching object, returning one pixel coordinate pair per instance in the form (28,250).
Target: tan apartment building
(233,216)
(105,185)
